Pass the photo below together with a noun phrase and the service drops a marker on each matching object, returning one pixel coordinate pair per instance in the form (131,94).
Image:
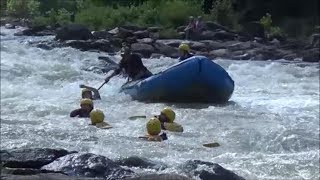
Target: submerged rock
(31,158)
(88,165)
(209,171)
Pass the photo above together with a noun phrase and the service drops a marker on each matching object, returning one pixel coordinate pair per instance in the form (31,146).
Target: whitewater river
(269,130)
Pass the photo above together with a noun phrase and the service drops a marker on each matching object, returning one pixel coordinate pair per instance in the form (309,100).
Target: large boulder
(9,26)
(171,42)
(254,29)
(121,32)
(100,45)
(88,165)
(73,32)
(30,158)
(240,46)
(311,55)
(166,50)
(215,172)
(101,34)
(220,35)
(212,45)
(213,26)
(140,162)
(133,27)
(144,49)
(141,34)
(222,53)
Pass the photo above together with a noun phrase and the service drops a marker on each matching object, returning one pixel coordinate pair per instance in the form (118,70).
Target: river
(268,130)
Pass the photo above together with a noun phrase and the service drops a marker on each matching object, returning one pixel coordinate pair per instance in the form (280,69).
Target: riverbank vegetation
(295,18)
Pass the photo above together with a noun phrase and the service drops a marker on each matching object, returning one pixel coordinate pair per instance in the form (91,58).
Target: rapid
(268,130)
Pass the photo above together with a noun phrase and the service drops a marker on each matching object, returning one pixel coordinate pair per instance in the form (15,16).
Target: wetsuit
(80,113)
(185,57)
(134,68)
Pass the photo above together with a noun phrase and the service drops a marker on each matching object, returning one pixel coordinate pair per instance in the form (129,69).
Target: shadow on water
(194,105)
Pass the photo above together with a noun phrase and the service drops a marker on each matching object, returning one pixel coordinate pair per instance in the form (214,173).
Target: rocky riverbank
(216,42)
(60,164)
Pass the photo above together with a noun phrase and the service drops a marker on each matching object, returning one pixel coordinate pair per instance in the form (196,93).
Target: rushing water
(269,130)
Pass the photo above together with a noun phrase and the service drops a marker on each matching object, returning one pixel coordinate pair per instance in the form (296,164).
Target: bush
(266,22)
(223,13)
(23,8)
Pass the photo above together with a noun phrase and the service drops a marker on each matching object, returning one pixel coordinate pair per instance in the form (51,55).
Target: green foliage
(266,21)
(23,8)
(276,31)
(223,13)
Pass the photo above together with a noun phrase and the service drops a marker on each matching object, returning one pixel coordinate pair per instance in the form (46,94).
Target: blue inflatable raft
(196,79)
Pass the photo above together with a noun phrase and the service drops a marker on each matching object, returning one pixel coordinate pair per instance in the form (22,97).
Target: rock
(160,177)
(100,45)
(166,50)
(181,28)
(315,40)
(101,34)
(217,172)
(141,34)
(145,40)
(198,46)
(9,26)
(220,35)
(212,45)
(44,176)
(171,42)
(220,53)
(135,161)
(133,28)
(311,55)
(88,165)
(44,46)
(154,29)
(35,31)
(31,158)
(254,29)
(240,46)
(213,26)
(121,32)
(290,57)
(73,32)
(144,49)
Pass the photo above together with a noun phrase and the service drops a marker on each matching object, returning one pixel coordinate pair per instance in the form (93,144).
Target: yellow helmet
(85,90)
(86,101)
(153,126)
(169,113)
(184,47)
(96,116)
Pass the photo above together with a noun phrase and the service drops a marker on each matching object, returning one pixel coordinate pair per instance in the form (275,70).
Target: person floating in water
(184,52)
(89,92)
(167,117)
(86,106)
(132,67)
(154,129)
(97,119)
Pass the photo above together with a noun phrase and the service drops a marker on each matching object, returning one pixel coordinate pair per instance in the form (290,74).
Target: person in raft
(131,65)
(89,92)
(154,129)
(184,52)
(97,119)
(167,117)
(86,106)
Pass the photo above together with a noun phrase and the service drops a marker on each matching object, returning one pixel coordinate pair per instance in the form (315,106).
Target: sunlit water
(269,130)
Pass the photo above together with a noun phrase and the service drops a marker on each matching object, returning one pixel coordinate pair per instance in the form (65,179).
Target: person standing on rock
(131,65)
(190,29)
(184,52)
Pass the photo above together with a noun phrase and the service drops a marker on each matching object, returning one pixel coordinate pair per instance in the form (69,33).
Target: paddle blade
(211,145)
(137,117)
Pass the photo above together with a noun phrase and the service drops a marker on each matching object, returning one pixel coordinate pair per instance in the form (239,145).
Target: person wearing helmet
(184,52)
(131,66)
(97,119)
(89,92)
(166,118)
(86,106)
(191,28)
(153,130)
